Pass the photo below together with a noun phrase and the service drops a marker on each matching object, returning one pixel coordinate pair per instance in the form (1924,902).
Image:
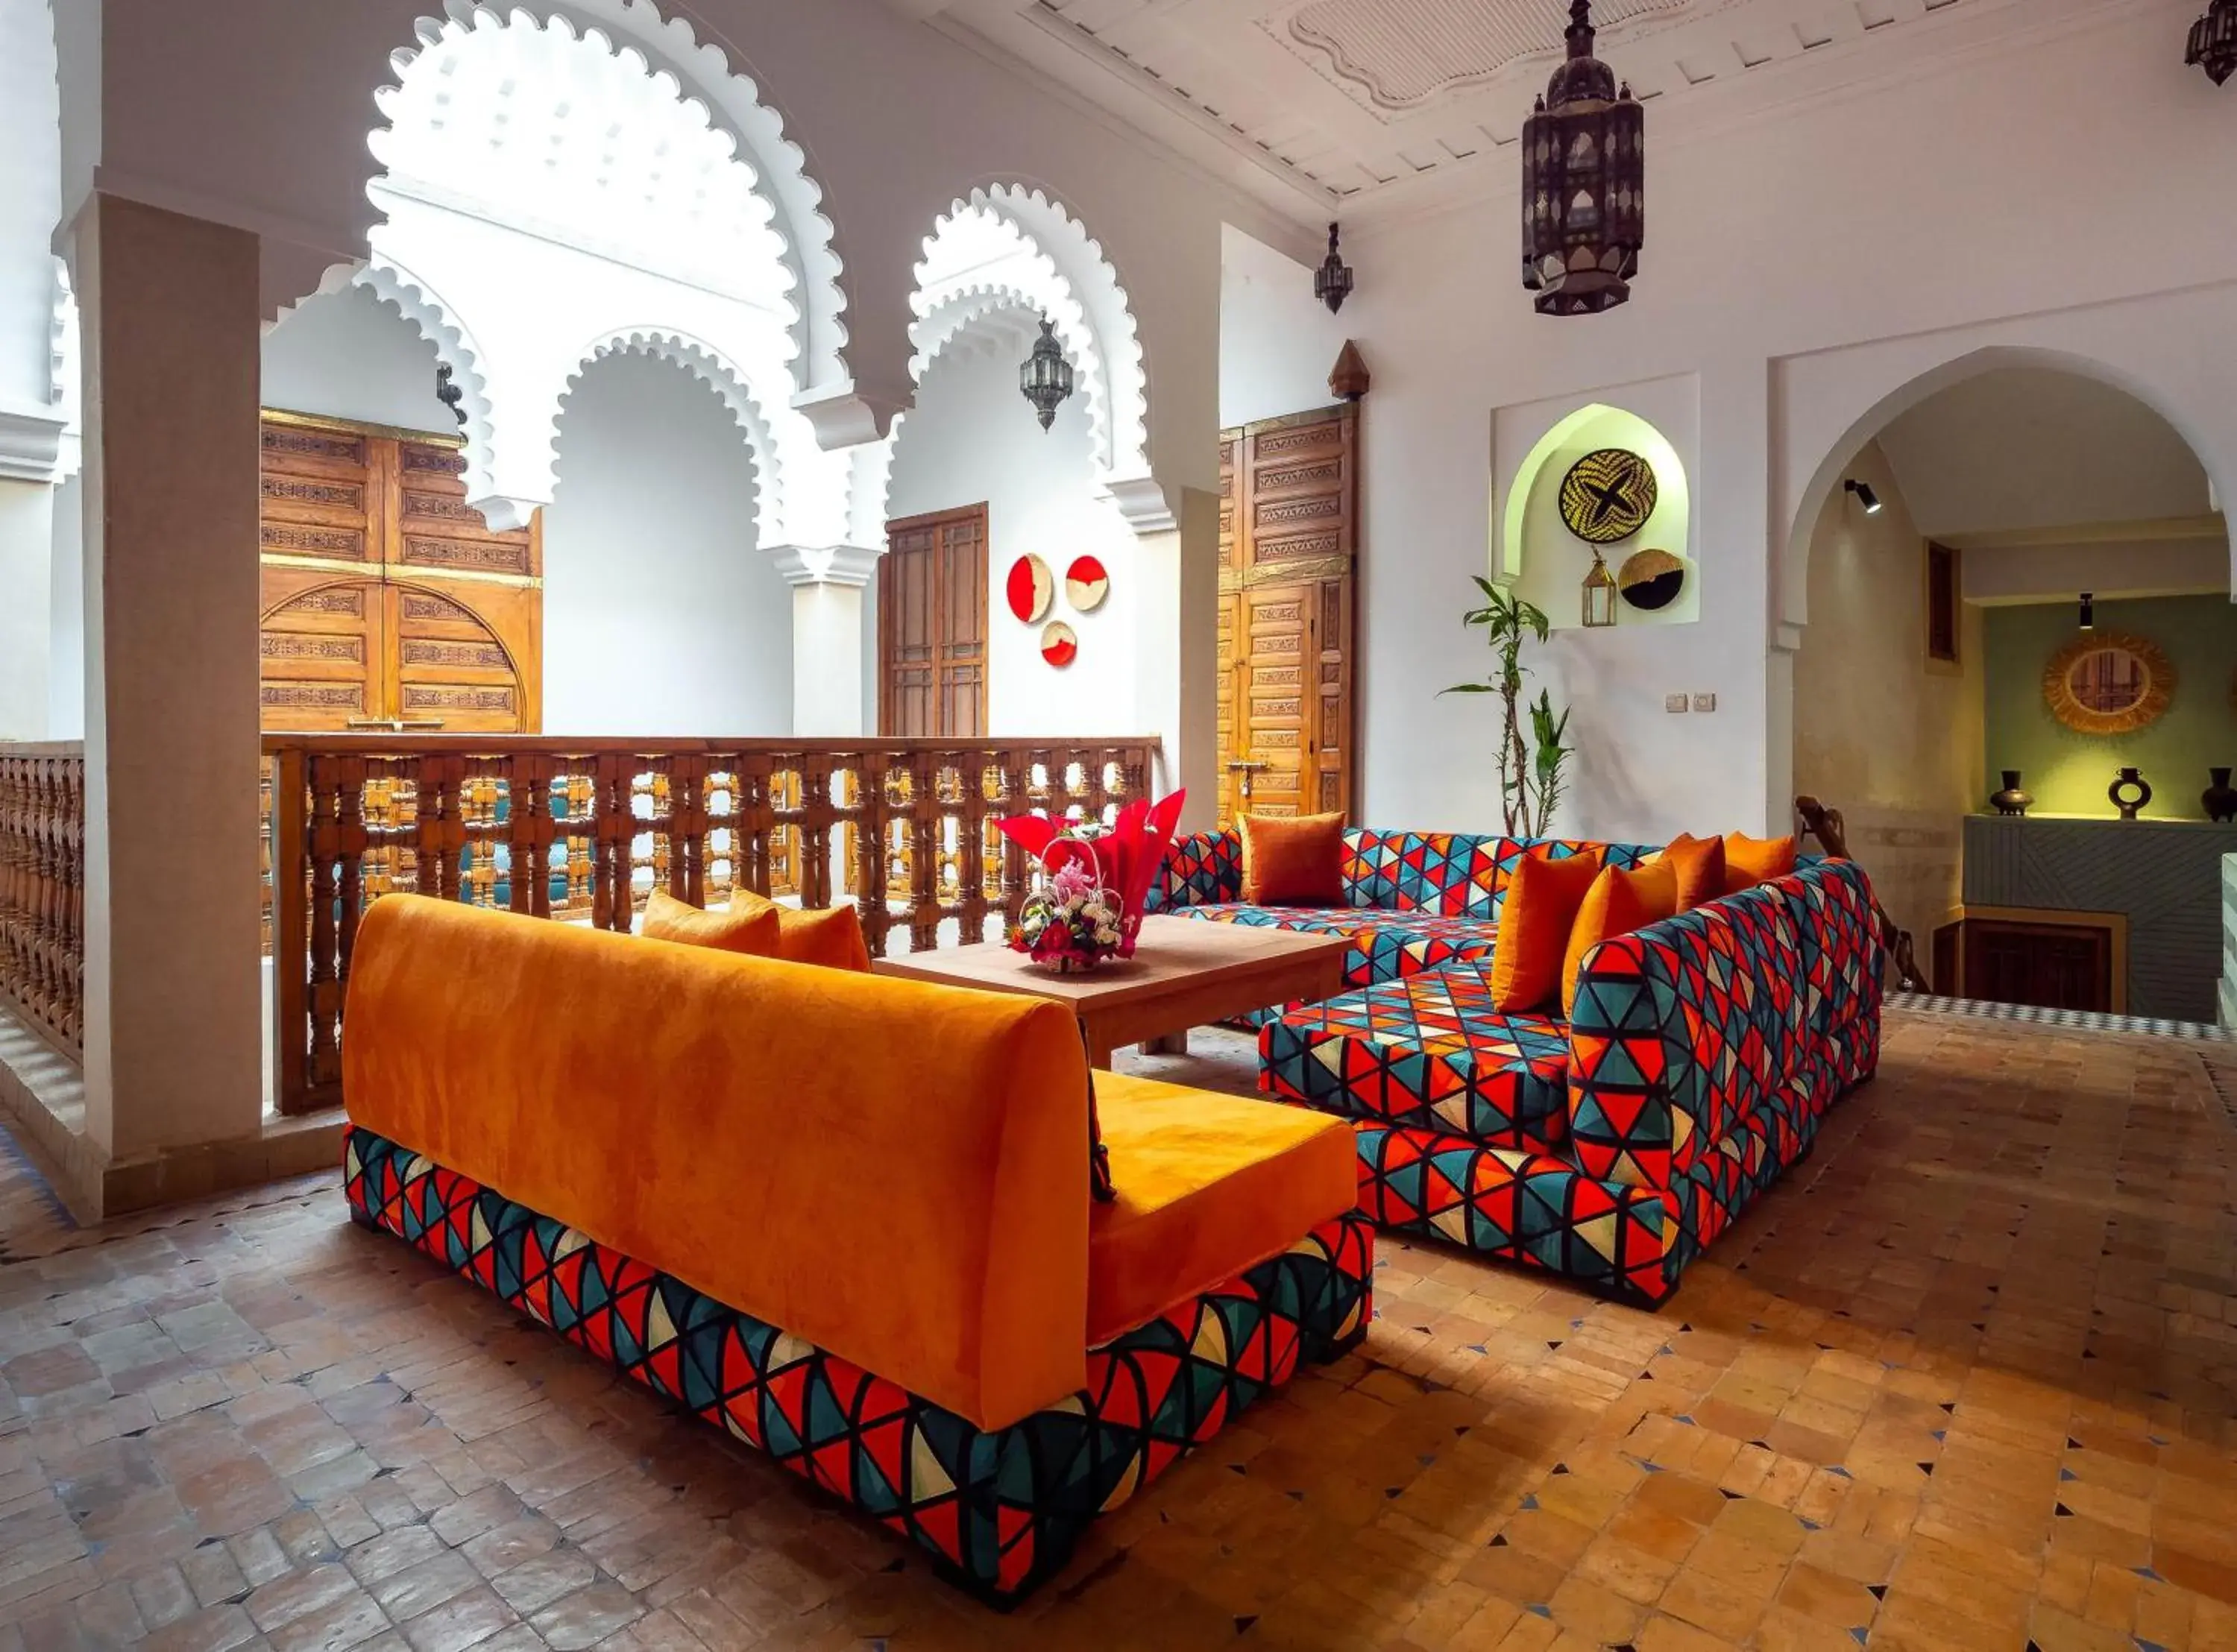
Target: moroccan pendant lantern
(1332,281)
(1045,378)
(1584,183)
(2214,41)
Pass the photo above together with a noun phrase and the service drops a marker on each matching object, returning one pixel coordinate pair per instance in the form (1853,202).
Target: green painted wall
(2068,772)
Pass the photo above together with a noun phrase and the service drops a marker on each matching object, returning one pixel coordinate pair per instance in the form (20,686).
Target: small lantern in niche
(1584,183)
(1599,594)
(1045,378)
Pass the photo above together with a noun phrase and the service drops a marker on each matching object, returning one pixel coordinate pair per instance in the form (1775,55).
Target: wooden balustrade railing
(585,829)
(42,887)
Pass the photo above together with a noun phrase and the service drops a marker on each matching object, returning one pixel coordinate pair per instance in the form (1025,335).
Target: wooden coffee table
(1185,972)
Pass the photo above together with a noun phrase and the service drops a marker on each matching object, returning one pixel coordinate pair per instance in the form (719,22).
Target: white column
(1176,680)
(827,661)
(173,1051)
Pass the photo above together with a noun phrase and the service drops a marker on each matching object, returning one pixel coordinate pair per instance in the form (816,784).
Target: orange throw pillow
(1618,903)
(1293,862)
(667,918)
(1535,921)
(1750,861)
(831,937)
(1701,865)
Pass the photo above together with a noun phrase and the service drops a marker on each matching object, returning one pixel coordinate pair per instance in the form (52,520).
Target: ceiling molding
(1223,86)
(2208,529)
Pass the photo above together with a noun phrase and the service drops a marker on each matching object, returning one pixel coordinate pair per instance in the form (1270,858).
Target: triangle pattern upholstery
(997,1510)
(1429,1051)
(1703,1053)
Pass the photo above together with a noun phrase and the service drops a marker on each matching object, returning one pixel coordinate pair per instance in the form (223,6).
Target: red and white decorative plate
(1032,588)
(1058,646)
(1087,583)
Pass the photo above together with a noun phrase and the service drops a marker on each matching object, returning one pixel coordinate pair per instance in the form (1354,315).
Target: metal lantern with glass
(1584,183)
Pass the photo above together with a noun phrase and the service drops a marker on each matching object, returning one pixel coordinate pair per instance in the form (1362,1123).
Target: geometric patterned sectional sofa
(1704,1052)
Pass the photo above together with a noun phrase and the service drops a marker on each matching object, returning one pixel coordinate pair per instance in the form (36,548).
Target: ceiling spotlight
(1866,497)
(1045,378)
(1332,281)
(2088,612)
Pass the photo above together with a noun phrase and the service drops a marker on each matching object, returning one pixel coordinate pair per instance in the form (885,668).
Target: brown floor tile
(1963,1380)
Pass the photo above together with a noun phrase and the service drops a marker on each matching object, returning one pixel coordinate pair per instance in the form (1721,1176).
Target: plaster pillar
(829,665)
(1176,676)
(172,1052)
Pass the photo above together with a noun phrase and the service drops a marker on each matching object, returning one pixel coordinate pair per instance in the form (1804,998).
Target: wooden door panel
(1289,510)
(446,625)
(318,490)
(932,627)
(320,646)
(1278,713)
(451,665)
(437,528)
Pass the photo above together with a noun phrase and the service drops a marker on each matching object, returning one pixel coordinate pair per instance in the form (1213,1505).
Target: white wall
(661,616)
(26,561)
(348,355)
(1888,737)
(1802,271)
(30,200)
(66,606)
(1277,343)
(973,438)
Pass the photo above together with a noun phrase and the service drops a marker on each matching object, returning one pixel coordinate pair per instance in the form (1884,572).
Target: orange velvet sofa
(845,1217)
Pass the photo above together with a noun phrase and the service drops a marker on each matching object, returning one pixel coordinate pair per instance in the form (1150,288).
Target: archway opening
(552,196)
(2018,588)
(690,632)
(1062,506)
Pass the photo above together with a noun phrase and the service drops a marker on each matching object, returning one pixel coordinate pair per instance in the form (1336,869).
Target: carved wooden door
(1289,516)
(932,648)
(387,599)
(932,626)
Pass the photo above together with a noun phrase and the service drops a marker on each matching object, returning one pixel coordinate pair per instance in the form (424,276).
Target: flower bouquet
(1071,925)
(1119,861)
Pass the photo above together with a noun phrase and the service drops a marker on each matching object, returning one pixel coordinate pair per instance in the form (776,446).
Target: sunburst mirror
(2103,684)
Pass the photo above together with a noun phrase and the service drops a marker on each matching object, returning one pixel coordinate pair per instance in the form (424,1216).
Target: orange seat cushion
(1750,861)
(1700,866)
(1618,903)
(831,936)
(894,1172)
(1292,862)
(1208,1185)
(1542,899)
(753,933)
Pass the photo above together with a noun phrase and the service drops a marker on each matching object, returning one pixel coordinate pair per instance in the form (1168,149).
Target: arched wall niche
(1546,563)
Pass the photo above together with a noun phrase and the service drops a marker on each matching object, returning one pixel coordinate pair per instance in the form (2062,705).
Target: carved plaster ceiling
(1374,107)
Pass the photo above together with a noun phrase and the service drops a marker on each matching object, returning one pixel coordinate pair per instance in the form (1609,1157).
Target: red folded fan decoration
(1126,857)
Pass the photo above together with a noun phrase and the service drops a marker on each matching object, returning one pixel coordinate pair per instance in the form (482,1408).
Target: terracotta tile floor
(1968,1379)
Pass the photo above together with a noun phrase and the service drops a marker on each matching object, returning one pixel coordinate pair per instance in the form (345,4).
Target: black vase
(2011,800)
(2129,781)
(2220,798)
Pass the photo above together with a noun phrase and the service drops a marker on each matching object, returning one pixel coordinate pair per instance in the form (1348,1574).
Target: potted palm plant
(1532,764)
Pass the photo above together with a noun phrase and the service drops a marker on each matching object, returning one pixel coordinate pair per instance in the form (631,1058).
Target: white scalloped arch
(1093,283)
(425,309)
(706,363)
(704,79)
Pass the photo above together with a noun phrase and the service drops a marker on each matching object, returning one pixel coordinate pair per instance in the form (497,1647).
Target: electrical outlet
(1704,702)
(1674,703)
